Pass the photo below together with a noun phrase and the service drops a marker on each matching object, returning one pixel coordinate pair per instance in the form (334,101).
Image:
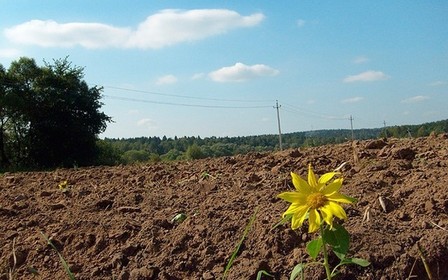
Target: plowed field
(116,222)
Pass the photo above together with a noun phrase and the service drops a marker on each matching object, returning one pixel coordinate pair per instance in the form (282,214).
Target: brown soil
(115,222)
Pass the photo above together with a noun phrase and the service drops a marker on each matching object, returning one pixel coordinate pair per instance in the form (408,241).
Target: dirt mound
(115,222)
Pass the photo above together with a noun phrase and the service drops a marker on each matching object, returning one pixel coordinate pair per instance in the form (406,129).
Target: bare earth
(115,222)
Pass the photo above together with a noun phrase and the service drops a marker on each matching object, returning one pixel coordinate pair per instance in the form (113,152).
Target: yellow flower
(319,198)
(63,186)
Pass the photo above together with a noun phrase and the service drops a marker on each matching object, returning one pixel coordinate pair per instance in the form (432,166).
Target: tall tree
(56,115)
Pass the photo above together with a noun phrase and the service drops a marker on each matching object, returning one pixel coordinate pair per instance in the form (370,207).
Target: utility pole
(278,121)
(351,125)
(385,131)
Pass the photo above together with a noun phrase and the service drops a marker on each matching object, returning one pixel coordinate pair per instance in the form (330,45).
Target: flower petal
(327,215)
(293,197)
(336,209)
(327,177)
(312,178)
(338,197)
(333,187)
(314,221)
(299,216)
(300,184)
(295,208)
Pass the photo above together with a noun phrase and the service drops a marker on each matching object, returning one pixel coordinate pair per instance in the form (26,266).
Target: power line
(184,96)
(295,109)
(183,104)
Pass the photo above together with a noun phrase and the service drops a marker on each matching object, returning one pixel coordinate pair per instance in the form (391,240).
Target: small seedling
(71,276)
(179,218)
(238,245)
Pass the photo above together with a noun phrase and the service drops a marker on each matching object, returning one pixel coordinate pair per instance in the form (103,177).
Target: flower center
(316,200)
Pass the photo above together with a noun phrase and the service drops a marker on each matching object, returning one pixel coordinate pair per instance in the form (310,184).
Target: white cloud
(311,101)
(169,27)
(9,53)
(133,112)
(415,99)
(198,76)
(165,28)
(167,79)
(352,100)
(241,72)
(368,76)
(438,83)
(52,34)
(301,23)
(147,123)
(361,59)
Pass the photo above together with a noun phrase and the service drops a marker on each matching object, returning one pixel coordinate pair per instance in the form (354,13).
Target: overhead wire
(183,104)
(184,96)
(298,110)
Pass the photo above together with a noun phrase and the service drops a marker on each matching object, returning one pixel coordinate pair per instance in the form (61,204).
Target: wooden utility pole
(278,121)
(351,125)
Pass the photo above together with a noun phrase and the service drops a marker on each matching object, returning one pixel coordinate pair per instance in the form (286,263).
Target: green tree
(54,115)
(194,152)
(133,156)
(107,154)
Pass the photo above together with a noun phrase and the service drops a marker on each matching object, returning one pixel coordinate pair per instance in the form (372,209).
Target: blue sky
(216,68)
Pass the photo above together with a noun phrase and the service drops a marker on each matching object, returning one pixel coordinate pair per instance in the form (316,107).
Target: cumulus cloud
(147,124)
(49,33)
(368,76)
(169,27)
(198,76)
(9,53)
(241,72)
(167,79)
(165,28)
(361,59)
(301,23)
(352,100)
(438,83)
(415,99)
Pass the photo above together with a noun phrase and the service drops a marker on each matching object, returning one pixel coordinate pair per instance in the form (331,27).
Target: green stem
(326,264)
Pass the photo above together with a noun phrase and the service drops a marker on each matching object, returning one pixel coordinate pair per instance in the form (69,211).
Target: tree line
(50,117)
(143,149)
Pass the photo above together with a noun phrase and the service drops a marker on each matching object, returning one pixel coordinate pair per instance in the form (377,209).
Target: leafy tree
(53,116)
(172,154)
(133,156)
(194,152)
(107,154)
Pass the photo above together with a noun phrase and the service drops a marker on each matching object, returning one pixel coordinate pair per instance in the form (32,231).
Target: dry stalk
(366,216)
(14,257)
(425,264)
(412,269)
(382,203)
(434,224)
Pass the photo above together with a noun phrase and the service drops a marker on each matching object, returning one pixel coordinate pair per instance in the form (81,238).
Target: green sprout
(71,276)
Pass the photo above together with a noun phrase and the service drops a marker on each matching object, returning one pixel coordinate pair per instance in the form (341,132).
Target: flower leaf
(358,261)
(298,270)
(339,239)
(313,247)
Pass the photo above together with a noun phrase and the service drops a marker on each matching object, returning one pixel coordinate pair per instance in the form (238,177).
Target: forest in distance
(153,149)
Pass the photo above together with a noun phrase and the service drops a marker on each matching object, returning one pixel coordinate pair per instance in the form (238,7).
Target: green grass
(238,245)
(71,276)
